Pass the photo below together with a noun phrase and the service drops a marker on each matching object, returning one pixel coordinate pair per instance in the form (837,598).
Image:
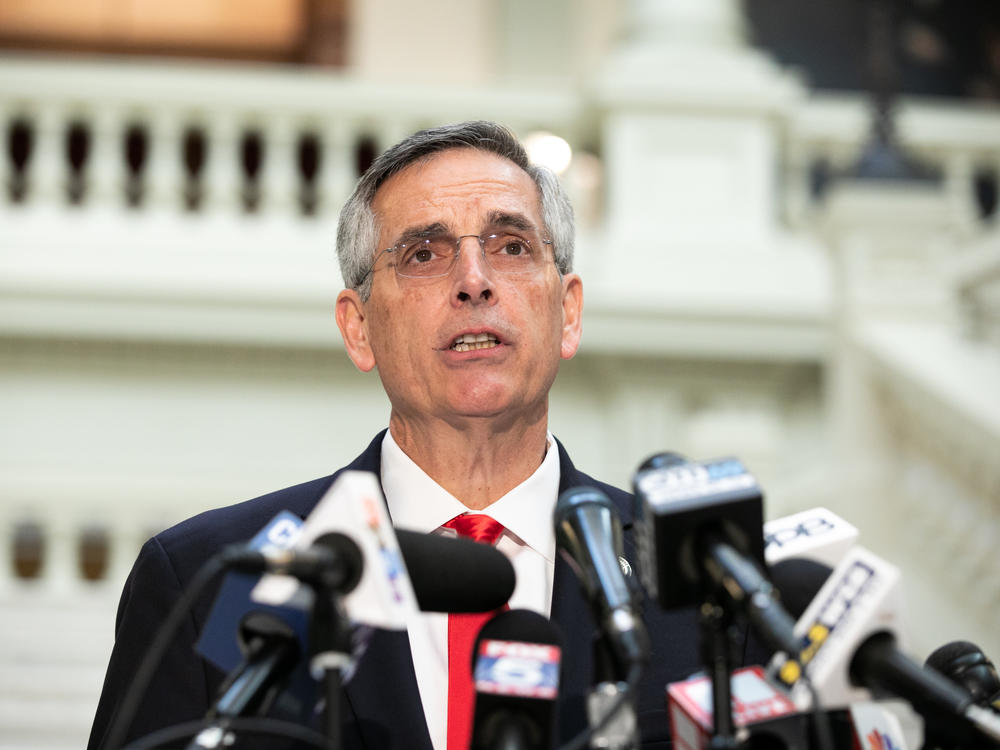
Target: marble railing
(220,139)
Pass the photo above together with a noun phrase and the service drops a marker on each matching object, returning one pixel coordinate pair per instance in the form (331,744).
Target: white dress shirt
(419,503)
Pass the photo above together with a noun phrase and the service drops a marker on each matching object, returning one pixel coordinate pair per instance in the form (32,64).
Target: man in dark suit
(457,257)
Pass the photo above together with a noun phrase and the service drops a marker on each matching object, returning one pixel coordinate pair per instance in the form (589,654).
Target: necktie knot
(477,527)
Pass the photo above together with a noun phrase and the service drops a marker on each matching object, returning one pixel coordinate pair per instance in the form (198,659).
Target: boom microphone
(589,535)
(516,662)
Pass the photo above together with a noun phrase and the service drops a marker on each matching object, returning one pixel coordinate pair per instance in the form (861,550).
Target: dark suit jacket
(381,706)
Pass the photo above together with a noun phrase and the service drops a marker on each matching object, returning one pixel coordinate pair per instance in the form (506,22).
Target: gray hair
(357,231)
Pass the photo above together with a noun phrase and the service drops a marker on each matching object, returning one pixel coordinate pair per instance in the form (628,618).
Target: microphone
(699,526)
(516,661)
(968,667)
(965,664)
(455,574)
(333,562)
(589,536)
(848,649)
(448,574)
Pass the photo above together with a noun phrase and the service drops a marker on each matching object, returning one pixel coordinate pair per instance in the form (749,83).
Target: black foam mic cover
(456,574)
(966,664)
(798,579)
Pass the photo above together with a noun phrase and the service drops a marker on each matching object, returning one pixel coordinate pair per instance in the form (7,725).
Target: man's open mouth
(469,341)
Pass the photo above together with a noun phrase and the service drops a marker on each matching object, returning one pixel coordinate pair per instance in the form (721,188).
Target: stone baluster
(48,167)
(279,175)
(223,169)
(105,171)
(165,170)
(336,177)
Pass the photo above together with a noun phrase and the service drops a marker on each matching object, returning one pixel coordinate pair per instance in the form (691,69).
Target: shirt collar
(419,503)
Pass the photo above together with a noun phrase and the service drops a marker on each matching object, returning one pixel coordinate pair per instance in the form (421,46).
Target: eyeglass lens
(434,256)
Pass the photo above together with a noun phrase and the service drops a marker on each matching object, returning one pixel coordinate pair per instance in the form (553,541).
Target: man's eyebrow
(507,219)
(420,232)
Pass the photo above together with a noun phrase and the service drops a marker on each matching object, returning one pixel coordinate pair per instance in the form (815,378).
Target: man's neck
(479,462)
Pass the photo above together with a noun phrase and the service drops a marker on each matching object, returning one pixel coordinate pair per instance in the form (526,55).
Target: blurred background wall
(787,230)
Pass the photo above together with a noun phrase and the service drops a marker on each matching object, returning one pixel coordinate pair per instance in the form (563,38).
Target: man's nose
(472,277)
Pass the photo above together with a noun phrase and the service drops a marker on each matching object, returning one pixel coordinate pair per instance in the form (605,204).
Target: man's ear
(572,305)
(354,330)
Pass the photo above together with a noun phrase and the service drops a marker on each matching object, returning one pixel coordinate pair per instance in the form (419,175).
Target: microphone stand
(330,647)
(714,623)
(272,652)
(620,732)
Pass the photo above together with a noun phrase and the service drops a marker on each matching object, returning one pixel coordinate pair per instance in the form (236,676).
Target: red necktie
(462,632)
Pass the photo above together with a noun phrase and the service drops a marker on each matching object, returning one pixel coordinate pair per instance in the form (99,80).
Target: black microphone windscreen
(663,460)
(576,497)
(455,574)
(966,664)
(798,580)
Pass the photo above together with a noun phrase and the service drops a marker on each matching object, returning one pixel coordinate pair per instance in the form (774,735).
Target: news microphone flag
(757,705)
(859,599)
(218,641)
(816,534)
(526,670)
(354,506)
(876,728)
